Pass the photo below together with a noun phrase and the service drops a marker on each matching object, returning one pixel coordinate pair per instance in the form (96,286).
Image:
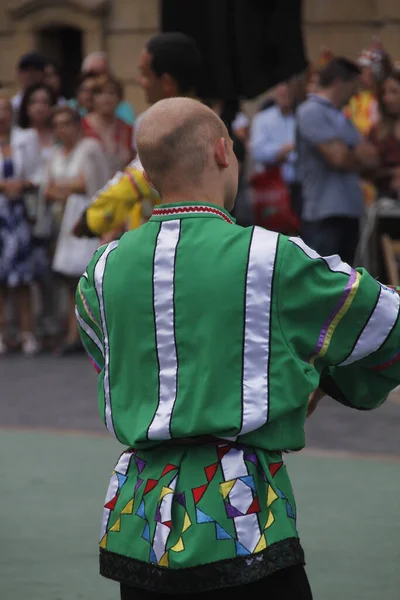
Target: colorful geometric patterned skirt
(196,518)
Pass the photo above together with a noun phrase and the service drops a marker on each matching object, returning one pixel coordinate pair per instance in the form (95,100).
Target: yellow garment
(362,110)
(117,203)
(135,218)
(369,192)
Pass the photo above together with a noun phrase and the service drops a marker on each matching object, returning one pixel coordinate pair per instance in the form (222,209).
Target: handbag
(73,254)
(271,202)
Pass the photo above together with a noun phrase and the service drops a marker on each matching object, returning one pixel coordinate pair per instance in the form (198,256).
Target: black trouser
(286,584)
(336,235)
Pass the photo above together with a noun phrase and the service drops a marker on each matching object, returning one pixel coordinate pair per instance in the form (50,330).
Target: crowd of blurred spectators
(319,149)
(55,154)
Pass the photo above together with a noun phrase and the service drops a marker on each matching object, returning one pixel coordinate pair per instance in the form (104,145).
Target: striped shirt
(198,327)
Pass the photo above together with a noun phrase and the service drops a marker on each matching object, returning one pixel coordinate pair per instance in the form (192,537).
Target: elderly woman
(77,168)
(19,155)
(115,135)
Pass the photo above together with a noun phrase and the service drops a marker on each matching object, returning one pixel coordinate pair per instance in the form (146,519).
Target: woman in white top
(19,155)
(36,113)
(76,170)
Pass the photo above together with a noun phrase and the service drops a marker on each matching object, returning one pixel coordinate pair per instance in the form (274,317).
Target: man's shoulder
(262,242)
(311,106)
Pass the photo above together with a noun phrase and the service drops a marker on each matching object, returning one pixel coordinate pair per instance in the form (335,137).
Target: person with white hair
(97,63)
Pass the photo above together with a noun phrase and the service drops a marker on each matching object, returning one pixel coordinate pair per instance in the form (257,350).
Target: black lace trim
(225,573)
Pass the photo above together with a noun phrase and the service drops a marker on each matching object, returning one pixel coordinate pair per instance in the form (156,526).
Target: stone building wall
(347,26)
(121,27)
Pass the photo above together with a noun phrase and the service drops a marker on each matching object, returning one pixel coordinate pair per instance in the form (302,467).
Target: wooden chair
(391,255)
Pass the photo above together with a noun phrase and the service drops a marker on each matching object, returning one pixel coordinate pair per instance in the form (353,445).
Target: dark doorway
(63,45)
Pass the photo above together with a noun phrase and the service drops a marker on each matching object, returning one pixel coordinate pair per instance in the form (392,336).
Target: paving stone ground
(56,460)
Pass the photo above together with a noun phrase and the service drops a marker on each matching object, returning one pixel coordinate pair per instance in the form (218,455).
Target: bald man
(208,339)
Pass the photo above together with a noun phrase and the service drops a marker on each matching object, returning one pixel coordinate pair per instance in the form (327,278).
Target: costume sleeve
(110,208)
(340,323)
(87,311)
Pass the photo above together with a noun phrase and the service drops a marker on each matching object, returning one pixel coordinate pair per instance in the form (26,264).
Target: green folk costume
(208,339)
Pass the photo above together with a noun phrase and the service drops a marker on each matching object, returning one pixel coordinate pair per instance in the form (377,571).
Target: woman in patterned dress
(19,154)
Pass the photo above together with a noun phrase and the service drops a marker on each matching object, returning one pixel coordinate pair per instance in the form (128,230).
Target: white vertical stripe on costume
(99,271)
(164,313)
(89,331)
(378,327)
(121,467)
(334,262)
(241,497)
(260,274)
(162,532)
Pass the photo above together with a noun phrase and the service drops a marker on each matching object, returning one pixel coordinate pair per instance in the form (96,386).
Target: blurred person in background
(332,153)
(76,169)
(115,135)
(272,134)
(19,156)
(385,136)
(169,66)
(238,126)
(312,83)
(363,107)
(30,70)
(97,63)
(36,113)
(83,103)
(52,77)
(241,127)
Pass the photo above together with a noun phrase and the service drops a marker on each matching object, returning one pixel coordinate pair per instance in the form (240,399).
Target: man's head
(187,154)
(340,76)
(31,68)
(96,63)
(169,66)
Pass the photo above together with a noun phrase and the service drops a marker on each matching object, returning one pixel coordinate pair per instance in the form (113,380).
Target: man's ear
(221,153)
(169,86)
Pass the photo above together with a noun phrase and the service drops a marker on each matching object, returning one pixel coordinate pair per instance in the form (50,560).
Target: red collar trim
(195,209)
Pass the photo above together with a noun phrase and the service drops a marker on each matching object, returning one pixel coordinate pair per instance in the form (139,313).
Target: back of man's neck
(192,197)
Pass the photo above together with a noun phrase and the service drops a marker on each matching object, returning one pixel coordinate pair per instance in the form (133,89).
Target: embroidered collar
(163,212)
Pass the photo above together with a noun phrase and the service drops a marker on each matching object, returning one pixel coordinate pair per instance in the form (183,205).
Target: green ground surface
(52,488)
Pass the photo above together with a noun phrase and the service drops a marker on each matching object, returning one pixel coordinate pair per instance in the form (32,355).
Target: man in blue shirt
(332,154)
